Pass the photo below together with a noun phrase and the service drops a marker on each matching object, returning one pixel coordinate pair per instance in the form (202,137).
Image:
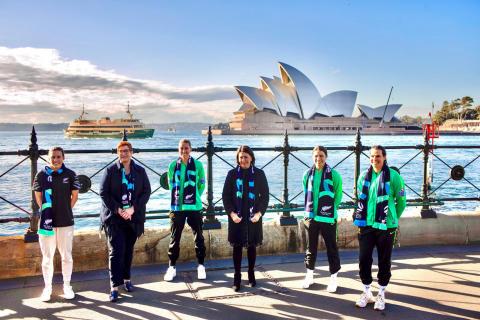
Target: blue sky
(181,58)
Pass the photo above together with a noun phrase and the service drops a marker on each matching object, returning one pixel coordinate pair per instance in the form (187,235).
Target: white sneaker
(46,294)
(332,284)
(170,274)
(379,302)
(308,281)
(201,274)
(68,292)
(365,298)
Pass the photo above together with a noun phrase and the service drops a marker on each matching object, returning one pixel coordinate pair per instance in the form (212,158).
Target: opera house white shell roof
(295,94)
(378,113)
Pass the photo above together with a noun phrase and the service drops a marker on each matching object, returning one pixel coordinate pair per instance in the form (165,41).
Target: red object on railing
(431,130)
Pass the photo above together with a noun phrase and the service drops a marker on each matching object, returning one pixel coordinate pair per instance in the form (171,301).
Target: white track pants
(63,239)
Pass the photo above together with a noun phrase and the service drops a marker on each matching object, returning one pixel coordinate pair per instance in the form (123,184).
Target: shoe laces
(380,298)
(365,296)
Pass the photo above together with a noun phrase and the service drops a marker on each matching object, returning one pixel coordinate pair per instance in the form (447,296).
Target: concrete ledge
(21,259)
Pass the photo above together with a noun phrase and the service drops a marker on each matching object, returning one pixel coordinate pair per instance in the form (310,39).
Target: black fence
(425,196)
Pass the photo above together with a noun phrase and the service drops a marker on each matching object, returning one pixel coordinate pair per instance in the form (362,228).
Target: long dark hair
(381,148)
(245,149)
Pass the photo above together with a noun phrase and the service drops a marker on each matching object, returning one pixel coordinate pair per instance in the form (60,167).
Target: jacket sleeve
(144,196)
(304,181)
(227,194)
(106,195)
(74,183)
(200,178)
(37,186)
(399,195)
(361,179)
(337,188)
(263,192)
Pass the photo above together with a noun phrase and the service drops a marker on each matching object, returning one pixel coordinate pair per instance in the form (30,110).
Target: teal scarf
(46,217)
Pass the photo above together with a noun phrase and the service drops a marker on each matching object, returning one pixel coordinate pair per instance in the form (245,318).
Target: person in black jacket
(125,190)
(245,198)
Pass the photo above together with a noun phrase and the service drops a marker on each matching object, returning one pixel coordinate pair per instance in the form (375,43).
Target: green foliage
(412,120)
(460,108)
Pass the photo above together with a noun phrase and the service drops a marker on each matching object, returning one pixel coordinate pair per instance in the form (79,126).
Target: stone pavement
(441,282)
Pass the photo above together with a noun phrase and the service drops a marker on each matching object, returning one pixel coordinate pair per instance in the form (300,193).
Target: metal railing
(425,197)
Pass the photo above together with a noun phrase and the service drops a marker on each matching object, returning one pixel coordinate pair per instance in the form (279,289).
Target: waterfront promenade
(429,282)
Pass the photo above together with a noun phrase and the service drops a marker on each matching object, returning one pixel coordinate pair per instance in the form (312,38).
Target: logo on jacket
(326,208)
(66,180)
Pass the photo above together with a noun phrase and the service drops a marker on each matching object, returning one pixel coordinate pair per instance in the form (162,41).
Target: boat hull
(137,134)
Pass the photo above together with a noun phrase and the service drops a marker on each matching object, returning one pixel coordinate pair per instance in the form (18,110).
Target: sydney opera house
(292,102)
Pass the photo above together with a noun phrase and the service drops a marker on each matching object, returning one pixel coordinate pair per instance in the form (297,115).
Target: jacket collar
(133,165)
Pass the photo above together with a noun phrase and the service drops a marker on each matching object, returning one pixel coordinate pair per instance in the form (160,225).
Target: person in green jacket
(381,202)
(186,179)
(323,193)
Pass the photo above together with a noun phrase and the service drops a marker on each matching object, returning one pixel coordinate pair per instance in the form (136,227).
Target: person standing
(125,191)
(381,202)
(245,198)
(186,179)
(322,186)
(56,192)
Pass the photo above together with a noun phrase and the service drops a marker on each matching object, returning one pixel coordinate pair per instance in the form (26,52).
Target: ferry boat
(108,128)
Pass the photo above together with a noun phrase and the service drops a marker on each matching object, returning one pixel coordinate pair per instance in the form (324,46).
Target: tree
(459,108)
(411,120)
(465,104)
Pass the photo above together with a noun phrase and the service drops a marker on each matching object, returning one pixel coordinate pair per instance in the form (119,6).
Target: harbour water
(15,185)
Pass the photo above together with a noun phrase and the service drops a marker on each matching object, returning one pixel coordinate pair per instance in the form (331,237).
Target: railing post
(426,211)
(31,233)
(358,153)
(285,218)
(211,222)
(124,135)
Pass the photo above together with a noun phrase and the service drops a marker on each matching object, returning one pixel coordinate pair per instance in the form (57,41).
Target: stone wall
(21,259)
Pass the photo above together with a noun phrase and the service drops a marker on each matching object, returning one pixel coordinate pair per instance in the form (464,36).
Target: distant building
(292,102)
(295,95)
(380,113)
(460,125)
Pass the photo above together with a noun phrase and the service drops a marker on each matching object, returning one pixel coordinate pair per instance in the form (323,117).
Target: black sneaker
(128,286)
(237,278)
(114,296)
(251,278)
